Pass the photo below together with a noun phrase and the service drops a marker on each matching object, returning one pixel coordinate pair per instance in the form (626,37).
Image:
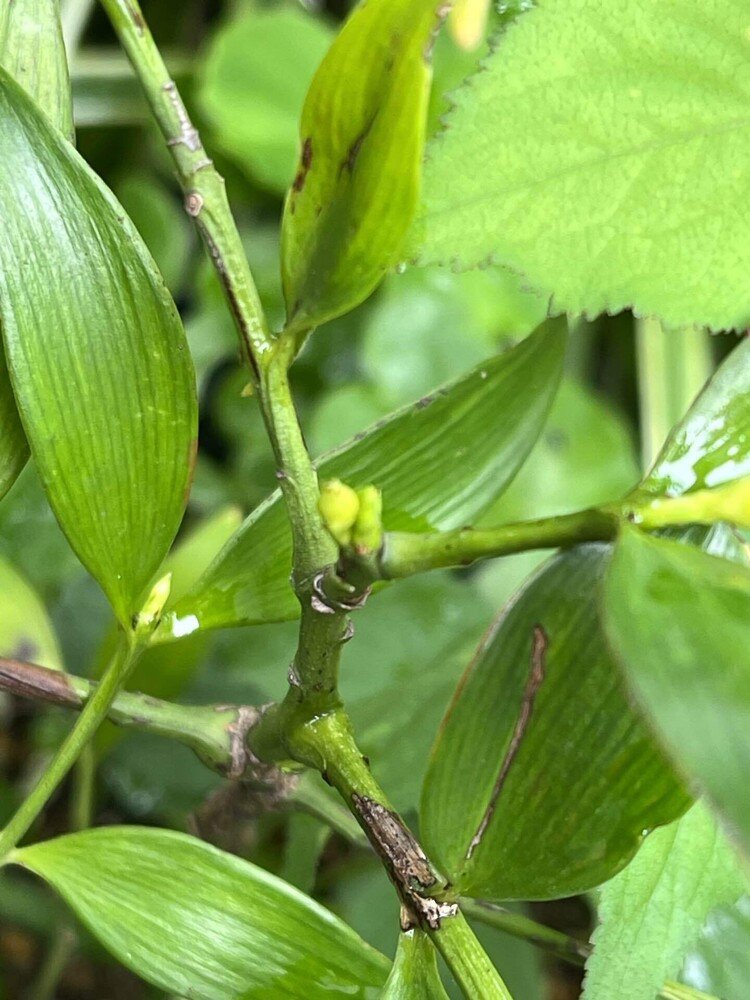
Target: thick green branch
(327,744)
(404,554)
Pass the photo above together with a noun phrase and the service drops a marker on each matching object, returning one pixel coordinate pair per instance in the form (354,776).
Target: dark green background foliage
(245,68)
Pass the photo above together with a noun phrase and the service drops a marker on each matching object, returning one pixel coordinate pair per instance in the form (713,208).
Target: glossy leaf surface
(254,80)
(361,137)
(711,445)
(14,450)
(543,779)
(195,921)
(97,355)
(652,912)
(26,632)
(679,622)
(32,51)
(414,975)
(438,464)
(600,153)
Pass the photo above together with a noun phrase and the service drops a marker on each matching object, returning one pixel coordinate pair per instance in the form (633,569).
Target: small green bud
(339,507)
(367,536)
(150,614)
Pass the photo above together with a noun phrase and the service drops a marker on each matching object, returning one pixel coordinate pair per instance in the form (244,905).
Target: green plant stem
(314,674)
(90,719)
(327,743)
(82,799)
(204,188)
(405,553)
(63,945)
(316,662)
(468,961)
(216,734)
(310,725)
(563,946)
(673,365)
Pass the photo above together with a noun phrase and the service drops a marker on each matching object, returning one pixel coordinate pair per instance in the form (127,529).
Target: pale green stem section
(673,365)
(88,722)
(468,961)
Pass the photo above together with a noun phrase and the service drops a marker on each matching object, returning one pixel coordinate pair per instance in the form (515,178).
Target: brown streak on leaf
(305,164)
(539,644)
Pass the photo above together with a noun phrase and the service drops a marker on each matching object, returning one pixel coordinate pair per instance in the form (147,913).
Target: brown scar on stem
(539,644)
(135,17)
(405,862)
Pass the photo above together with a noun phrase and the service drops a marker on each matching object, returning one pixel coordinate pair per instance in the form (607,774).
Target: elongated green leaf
(14,451)
(711,445)
(97,355)
(26,632)
(585,456)
(257,71)
(652,912)
(362,136)
(679,622)
(438,463)
(600,153)
(195,921)
(543,781)
(414,975)
(32,51)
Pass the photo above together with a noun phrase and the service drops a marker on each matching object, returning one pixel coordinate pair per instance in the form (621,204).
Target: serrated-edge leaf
(652,912)
(599,152)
